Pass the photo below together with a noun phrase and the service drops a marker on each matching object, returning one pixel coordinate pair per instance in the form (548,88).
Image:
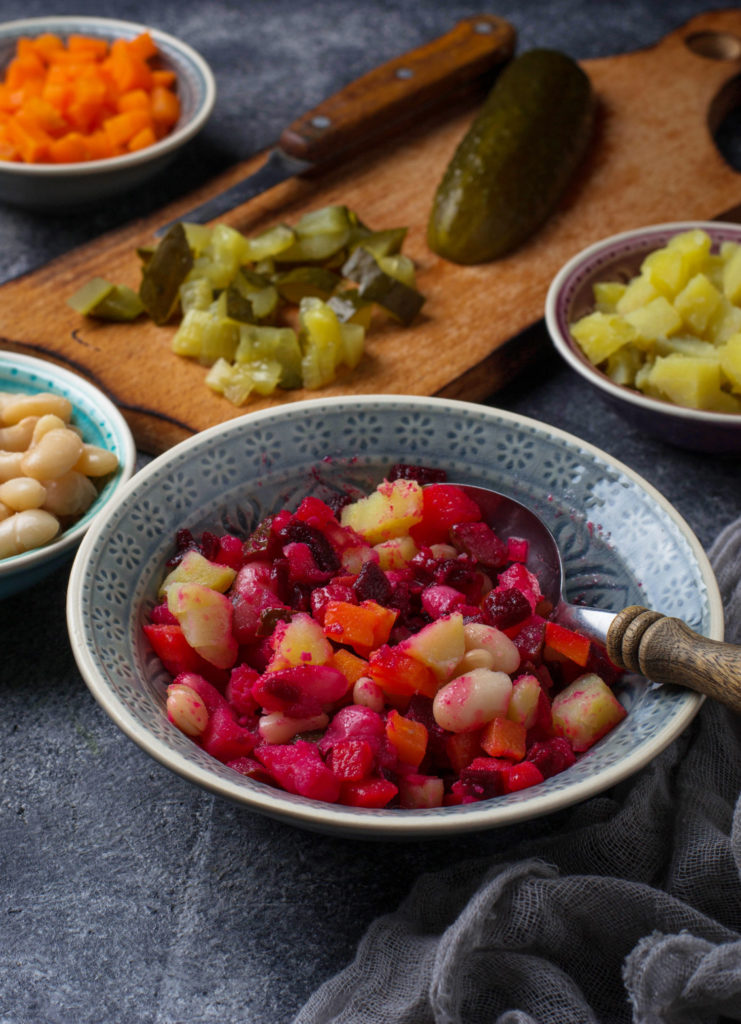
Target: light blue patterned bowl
(100,423)
(70,186)
(622,544)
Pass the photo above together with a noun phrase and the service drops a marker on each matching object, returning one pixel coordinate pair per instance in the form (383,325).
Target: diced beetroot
(506,607)
(482,778)
(321,596)
(480,542)
(462,574)
(551,756)
(176,654)
(530,638)
(458,795)
(599,663)
(298,532)
(315,512)
(422,474)
(302,566)
(357,722)
(462,748)
(542,727)
(516,575)
(252,769)
(239,690)
(299,768)
(521,776)
(224,738)
(229,551)
(351,759)
(444,505)
(368,793)
(438,600)
(517,549)
(371,584)
(264,541)
(162,616)
(300,691)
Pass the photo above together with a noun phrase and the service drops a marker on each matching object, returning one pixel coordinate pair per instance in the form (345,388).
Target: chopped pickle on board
(285,308)
(673,331)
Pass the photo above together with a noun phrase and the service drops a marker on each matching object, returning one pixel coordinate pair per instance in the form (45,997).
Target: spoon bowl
(660,647)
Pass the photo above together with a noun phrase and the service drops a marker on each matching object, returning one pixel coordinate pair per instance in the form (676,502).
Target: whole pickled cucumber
(515,161)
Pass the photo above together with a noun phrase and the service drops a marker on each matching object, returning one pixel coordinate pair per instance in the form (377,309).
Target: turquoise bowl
(101,424)
(621,541)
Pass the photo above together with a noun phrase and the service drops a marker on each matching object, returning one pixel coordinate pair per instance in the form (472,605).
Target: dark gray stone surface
(127,895)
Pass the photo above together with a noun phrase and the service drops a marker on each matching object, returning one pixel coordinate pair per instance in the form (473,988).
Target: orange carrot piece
(32,143)
(100,146)
(164,76)
(70,149)
(91,45)
(142,139)
(143,47)
(47,44)
(165,106)
(122,127)
(134,99)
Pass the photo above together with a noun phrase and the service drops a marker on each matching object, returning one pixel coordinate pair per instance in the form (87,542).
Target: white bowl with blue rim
(101,424)
(58,187)
(230,476)
(570,297)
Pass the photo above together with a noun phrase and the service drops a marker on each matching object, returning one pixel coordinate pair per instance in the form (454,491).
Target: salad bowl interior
(621,543)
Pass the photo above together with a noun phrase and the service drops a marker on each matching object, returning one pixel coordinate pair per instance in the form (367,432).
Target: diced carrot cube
(165,106)
(134,99)
(408,737)
(398,675)
(122,127)
(70,149)
(562,641)
(141,140)
(164,76)
(502,737)
(142,47)
(351,666)
(47,44)
(90,45)
(363,627)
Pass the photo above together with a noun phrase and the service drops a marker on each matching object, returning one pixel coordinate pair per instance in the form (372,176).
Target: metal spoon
(657,646)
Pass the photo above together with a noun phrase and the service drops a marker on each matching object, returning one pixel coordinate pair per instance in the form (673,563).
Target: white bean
(22,493)
(69,495)
(46,423)
(477,657)
(186,709)
(5,512)
(470,701)
(368,694)
(26,530)
(277,727)
(39,404)
(11,465)
(96,461)
(18,437)
(503,650)
(54,455)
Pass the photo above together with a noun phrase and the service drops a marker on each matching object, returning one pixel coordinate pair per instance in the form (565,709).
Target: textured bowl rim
(160,148)
(335,818)
(67,540)
(555,318)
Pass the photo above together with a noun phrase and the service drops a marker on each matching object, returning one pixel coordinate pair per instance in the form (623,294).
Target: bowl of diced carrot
(90,107)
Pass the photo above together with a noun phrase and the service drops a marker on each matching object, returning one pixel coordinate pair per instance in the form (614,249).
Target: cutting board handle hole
(714,45)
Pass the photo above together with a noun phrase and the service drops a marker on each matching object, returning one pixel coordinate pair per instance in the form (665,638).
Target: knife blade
(373,107)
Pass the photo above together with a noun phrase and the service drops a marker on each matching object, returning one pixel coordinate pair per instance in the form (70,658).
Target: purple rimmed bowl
(618,258)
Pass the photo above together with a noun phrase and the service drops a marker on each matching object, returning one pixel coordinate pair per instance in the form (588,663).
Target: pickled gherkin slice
(350,308)
(296,284)
(376,285)
(163,274)
(258,343)
(269,243)
(106,301)
(380,243)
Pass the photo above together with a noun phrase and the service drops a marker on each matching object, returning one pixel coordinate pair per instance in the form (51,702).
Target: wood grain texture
(653,159)
(666,650)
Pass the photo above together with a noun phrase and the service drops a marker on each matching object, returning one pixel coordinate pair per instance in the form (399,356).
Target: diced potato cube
(730,362)
(725,322)
(600,334)
(657,319)
(607,294)
(687,346)
(389,511)
(697,302)
(732,276)
(695,245)
(668,270)
(623,365)
(687,380)
(637,293)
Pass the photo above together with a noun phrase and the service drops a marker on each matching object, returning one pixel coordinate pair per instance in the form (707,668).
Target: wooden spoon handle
(668,651)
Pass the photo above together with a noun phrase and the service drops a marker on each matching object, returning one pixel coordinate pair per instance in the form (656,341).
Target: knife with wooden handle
(374,106)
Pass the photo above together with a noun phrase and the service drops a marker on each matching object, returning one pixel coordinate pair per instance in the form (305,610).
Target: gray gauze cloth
(629,912)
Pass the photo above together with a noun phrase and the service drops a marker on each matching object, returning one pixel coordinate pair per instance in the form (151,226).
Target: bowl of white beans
(65,451)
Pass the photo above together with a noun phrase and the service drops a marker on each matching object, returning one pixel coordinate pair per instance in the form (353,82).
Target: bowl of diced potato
(652,319)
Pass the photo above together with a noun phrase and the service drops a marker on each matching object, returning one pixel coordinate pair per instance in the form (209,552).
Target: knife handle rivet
(320,121)
(404,73)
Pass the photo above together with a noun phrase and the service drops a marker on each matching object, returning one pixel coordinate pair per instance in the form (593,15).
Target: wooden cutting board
(653,159)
